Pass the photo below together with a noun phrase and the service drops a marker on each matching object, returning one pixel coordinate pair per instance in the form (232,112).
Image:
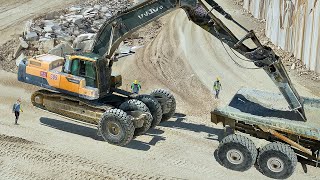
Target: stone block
(20,58)
(61,49)
(32,36)
(48,45)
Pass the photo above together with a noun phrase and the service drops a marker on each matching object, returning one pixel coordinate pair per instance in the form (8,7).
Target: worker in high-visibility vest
(217,87)
(135,87)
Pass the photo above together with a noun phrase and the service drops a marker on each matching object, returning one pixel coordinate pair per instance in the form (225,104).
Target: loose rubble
(72,28)
(59,32)
(66,25)
(61,49)
(22,45)
(20,58)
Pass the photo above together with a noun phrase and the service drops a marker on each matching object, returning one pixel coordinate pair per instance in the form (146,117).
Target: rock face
(293,25)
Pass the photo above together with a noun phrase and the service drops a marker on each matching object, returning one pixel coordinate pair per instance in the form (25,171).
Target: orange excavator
(81,85)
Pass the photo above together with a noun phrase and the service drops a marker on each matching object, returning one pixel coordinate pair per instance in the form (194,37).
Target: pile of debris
(60,32)
(74,25)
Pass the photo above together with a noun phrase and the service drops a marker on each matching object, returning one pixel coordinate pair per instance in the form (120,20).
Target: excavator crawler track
(69,106)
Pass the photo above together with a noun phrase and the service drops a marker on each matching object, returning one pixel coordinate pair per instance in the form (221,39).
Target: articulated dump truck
(262,115)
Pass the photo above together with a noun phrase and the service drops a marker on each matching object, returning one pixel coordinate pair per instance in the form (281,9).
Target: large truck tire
(154,107)
(136,105)
(116,127)
(277,160)
(237,152)
(167,101)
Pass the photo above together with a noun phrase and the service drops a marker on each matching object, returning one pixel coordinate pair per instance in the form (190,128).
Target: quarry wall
(293,25)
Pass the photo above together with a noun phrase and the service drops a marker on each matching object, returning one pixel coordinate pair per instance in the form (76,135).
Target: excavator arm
(119,27)
(262,56)
(115,30)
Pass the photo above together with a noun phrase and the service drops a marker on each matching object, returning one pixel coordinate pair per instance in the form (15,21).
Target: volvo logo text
(150,11)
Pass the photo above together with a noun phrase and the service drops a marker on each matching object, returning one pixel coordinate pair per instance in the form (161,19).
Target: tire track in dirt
(176,155)
(15,174)
(15,13)
(11,5)
(14,139)
(75,167)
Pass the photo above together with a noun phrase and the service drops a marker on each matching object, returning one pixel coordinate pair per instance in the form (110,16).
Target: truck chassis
(261,115)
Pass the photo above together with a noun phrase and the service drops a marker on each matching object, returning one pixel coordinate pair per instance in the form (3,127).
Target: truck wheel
(116,127)
(154,107)
(167,101)
(237,152)
(277,160)
(136,105)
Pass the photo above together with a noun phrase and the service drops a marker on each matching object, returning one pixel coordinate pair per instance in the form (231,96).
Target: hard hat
(135,81)
(218,78)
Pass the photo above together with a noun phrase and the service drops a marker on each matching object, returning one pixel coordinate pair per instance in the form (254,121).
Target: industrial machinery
(268,134)
(82,86)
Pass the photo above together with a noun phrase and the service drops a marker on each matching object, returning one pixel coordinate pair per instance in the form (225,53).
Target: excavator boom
(115,30)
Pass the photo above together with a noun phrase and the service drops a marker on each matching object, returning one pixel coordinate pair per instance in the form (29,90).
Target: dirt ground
(14,14)
(183,59)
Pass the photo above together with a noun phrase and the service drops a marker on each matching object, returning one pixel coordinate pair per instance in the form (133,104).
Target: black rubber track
(121,118)
(242,144)
(161,93)
(154,107)
(136,105)
(281,151)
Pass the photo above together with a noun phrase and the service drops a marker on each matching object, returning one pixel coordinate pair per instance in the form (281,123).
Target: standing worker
(135,87)
(217,87)
(16,110)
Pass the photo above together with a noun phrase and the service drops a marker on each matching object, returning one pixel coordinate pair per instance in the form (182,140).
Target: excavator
(81,85)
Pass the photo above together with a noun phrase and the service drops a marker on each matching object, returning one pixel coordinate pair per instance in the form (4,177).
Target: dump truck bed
(270,110)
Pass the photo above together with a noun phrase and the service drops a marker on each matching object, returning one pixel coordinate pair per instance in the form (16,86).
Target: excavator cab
(95,72)
(82,68)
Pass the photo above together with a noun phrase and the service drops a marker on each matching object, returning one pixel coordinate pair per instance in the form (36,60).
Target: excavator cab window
(90,74)
(75,68)
(82,68)
(86,70)
(67,66)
